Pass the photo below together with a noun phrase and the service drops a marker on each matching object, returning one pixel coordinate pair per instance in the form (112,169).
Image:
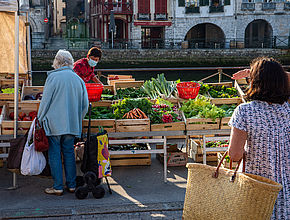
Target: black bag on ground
(15,153)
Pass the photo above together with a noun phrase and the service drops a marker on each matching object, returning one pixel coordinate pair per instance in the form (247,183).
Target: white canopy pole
(29,48)
(16,76)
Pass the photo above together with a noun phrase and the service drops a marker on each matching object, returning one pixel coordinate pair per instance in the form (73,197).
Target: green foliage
(8,90)
(160,87)
(101,113)
(130,93)
(218,91)
(200,107)
(229,109)
(126,105)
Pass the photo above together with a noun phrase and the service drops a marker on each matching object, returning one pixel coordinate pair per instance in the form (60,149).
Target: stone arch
(205,35)
(258,34)
(75,29)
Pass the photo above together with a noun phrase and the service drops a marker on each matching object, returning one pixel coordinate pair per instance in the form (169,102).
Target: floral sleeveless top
(268,146)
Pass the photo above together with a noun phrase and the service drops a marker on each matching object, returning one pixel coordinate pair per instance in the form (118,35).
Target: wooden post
(220,72)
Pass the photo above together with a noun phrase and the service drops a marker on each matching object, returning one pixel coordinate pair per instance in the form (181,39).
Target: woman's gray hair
(63,58)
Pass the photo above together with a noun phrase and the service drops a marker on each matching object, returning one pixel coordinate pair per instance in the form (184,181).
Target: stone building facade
(215,24)
(230,23)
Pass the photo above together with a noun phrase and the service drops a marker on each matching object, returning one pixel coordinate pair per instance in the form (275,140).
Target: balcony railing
(190,9)
(117,7)
(287,6)
(160,16)
(248,6)
(216,9)
(268,6)
(143,16)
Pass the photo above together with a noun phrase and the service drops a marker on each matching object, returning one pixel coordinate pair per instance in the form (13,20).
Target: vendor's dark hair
(268,81)
(96,52)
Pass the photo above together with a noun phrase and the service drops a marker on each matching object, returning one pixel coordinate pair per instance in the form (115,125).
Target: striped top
(267,148)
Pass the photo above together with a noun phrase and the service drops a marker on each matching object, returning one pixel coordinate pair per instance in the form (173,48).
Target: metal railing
(282,42)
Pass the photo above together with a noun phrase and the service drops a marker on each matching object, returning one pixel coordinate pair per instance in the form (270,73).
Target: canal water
(38,77)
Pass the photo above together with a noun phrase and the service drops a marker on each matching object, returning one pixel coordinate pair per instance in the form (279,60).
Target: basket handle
(216,173)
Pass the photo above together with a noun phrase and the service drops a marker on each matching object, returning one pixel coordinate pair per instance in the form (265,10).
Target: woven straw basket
(248,197)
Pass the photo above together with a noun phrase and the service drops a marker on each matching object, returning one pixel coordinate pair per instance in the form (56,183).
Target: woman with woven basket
(263,125)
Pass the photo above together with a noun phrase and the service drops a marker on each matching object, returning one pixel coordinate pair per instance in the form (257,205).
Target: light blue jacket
(64,103)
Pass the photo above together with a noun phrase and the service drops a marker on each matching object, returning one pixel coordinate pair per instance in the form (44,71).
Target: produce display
(8,90)
(107,94)
(130,93)
(128,147)
(164,112)
(160,88)
(229,109)
(23,116)
(101,113)
(217,143)
(126,105)
(200,107)
(218,91)
(135,113)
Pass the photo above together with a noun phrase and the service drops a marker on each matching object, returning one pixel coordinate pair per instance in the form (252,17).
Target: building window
(227,2)
(64,12)
(181,3)
(192,3)
(143,6)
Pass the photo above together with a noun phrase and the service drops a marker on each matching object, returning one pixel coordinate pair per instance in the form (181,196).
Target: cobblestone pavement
(154,215)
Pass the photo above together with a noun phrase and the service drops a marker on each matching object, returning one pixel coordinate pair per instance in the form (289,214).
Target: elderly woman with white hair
(63,106)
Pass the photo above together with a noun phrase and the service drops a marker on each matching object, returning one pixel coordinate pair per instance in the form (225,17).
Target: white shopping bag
(33,162)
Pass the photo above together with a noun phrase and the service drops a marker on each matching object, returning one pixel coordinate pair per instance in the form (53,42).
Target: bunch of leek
(160,87)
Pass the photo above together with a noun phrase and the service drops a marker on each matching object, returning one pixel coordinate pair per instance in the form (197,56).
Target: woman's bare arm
(237,143)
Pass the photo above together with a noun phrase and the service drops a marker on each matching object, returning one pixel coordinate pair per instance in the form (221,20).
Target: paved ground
(138,193)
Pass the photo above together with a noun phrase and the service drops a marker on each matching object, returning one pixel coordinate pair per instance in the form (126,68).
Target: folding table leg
(204,149)
(165,158)
(14,180)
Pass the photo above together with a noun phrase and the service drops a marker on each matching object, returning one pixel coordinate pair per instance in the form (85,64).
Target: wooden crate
(220,101)
(127,84)
(31,90)
(112,82)
(130,160)
(102,103)
(107,124)
(202,124)
(9,83)
(240,90)
(224,123)
(173,126)
(7,125)
(196,152)
(132,125)
(174,159)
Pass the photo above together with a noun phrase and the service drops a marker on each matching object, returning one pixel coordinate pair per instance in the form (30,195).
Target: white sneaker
(53,191)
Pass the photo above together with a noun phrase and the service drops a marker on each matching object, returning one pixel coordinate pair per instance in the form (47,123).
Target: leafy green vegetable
(101,113)
(130,93)
(160,87)
(200,107)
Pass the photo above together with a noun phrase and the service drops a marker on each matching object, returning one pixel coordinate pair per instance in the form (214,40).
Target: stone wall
(42,59)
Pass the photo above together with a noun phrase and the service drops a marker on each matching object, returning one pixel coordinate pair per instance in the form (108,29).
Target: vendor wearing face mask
(85,67)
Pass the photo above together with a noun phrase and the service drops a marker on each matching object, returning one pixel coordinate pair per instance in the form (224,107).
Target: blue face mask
(92,63)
